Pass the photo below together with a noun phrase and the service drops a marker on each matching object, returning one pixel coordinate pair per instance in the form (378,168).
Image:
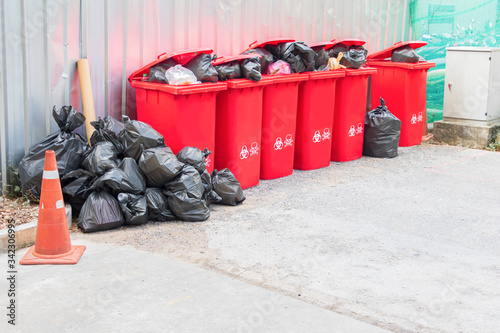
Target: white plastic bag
(179,75)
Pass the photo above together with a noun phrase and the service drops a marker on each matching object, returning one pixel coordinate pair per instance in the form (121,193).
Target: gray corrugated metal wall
(42,39)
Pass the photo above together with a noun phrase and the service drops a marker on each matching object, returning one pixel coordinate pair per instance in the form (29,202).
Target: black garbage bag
(297,54)
(354,56)
(115,181)
(137,133)
(185,196)
(405,53)
(74,188)
(321,60)
(202,67)
(209,195)
(102,156)
(228,187)
(130,167)
(158,205)
(103,133)
(68,147)
(113,125)
(228,71)
(251,69)
(194,157)
(101,211)
(187,180)
(157,72)
(266,59)
(159,165)
(134,208)
(382,130)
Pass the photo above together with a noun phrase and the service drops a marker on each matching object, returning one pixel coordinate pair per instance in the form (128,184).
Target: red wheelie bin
(184,115)
(315,117)
(403,87)
(350,108)
(279,116)
(239,126)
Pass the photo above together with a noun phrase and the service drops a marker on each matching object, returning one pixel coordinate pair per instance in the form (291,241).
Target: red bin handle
(161,55)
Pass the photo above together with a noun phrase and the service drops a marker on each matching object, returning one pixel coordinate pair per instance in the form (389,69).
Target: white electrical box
(472,85)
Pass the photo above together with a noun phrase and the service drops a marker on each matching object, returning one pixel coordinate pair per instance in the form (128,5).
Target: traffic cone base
(70,258)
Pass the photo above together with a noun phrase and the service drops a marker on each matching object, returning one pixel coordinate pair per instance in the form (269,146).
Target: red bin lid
(387,53)
(265,42)
(223,60)
(348,41)
(181,57)
(326,45)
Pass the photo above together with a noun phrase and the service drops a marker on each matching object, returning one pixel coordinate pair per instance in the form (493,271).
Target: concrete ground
(409,244)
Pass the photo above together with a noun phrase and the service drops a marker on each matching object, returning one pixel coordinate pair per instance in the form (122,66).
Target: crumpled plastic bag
(321,60)
(209,195)
(68,147)
(405,53)
(157,72)
(297,54)
(180,76)
(228,71)
(102,156)
(134,208)
(158,205)
(228,187)
(194,157)
(279,67)
(75,185)
(201,66)
(115,181)
(251,69)
(130,167)
(138,136)
(185,196)
(159,165)
(104,132)
(354,56)
(113,125)
(100,211)
(266,59)
(381,134)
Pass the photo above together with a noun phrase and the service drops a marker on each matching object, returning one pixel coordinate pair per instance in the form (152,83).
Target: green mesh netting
(447,23)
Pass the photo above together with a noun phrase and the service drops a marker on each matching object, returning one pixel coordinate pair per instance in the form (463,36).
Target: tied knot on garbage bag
(105,131)
(266,57)
(69,149)
(382,130)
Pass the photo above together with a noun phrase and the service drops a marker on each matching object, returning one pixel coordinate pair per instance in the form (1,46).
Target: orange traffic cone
(52,245)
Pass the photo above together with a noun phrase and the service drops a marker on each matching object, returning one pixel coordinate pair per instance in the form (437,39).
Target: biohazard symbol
(207,161)
(414,119)
(420,117)
(288,140)
(359,130)
(352,131)
(278,144)
(254,150)
(317,137)
(244,152)
(326,134)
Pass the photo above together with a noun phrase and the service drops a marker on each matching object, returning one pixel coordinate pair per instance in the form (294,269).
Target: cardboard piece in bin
(224,60)
(181,57)
(387,53)
(265,42)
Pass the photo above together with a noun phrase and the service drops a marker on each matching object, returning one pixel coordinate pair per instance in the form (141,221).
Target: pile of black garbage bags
(127,176)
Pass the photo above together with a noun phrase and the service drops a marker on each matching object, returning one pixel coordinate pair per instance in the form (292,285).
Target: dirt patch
(18,209)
